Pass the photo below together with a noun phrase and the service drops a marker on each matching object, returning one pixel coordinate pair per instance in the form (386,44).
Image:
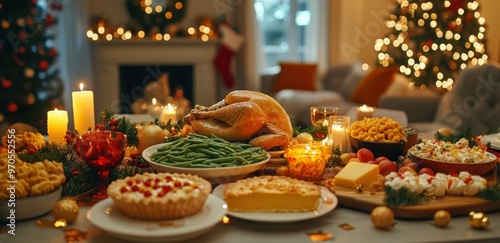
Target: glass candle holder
(338,133)
(306,161)
(364,111)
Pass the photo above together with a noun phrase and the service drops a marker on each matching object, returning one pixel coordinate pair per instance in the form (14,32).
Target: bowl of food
(382,135)
(31,206)
(216,160)
(391,150)
(446,157)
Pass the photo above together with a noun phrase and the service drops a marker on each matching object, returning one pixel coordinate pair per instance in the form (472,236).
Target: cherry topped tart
(160,196)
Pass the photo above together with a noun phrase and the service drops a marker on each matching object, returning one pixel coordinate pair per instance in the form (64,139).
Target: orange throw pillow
(373,85)
(296,76)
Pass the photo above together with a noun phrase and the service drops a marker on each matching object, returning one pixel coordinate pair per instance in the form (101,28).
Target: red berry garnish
(147,193)
(186,183)
(166,188)
(156,186)
(161,194)
(113,122)
(123,190)
(168,178)
(147,183)
(177,184)
(130,183)
(135,188)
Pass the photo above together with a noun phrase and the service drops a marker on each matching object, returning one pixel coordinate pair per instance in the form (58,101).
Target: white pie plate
(327,203)
(106,217)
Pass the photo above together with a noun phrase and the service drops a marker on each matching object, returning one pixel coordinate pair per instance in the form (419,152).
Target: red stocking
(231,43)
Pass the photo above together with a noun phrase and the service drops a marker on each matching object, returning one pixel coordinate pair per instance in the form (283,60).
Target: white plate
(106,217)
(493,139)
(214,175)
(327,203)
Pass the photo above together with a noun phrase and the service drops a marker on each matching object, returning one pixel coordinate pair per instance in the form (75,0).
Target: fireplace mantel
(109,55)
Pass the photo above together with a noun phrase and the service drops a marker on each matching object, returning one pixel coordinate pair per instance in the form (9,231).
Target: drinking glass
(320,114)
(102,151)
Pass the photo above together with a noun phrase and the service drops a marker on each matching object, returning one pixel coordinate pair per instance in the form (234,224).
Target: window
(283,26)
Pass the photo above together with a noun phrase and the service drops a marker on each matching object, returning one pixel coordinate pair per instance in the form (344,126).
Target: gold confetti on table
(346,226)
(319,236)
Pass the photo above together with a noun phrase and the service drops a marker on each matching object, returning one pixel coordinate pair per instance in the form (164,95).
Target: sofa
(473,103)
(337,88)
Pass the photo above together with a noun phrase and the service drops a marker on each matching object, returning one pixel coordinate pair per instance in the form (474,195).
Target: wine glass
(320,114)
(102,151)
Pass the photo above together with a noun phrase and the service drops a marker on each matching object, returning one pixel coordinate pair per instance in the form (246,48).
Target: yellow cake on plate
(159,196)
(271,194)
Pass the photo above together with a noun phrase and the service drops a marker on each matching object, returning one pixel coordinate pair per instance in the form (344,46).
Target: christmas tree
(432,40)
(29,84)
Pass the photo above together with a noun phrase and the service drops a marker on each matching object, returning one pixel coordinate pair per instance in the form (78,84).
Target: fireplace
(110,56)
(134,78)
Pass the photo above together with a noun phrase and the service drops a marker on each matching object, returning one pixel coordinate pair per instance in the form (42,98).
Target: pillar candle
(169,112)
(337,133)
(364,111)
(57,125)
(83,110)
(154,109)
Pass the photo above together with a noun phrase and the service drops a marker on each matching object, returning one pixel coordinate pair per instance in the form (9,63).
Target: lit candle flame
(81,86)
(153,101)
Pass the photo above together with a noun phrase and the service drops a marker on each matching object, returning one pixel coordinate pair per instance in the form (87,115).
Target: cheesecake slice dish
(271,194)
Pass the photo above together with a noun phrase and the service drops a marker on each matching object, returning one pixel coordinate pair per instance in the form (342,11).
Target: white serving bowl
(31,207)
(214,175)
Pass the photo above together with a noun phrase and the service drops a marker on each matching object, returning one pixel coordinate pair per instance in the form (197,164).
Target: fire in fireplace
(134,78)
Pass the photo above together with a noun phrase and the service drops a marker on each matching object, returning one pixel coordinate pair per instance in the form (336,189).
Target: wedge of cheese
(357,173)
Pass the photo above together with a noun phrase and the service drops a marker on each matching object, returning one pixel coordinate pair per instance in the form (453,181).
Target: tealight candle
(83,110)
(169,113)
(364,111)
(57,125)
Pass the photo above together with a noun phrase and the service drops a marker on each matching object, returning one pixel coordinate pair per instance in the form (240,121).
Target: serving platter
(455,205)
(327,203)
(214,175)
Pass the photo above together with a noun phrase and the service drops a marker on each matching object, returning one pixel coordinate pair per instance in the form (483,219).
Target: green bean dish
(198,151)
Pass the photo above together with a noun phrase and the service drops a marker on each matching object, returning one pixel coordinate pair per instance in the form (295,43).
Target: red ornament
(455,5)
(468,17)
(49,20)
(12,107)
(6,83)
(43,65)
(23,36)
(451,25)
(22,49)
(52,52)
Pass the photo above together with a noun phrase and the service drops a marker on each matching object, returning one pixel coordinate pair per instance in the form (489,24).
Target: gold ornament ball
(66,209)
(382,217)
(442,218)
(149,135)
(478,220)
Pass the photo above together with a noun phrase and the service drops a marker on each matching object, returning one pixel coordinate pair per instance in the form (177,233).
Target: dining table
(338,225)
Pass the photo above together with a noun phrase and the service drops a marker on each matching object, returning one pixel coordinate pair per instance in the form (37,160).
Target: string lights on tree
(432,40)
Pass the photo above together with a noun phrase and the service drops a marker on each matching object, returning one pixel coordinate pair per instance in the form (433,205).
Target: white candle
(169,112)
(337,137)
(154,109)
(364,111)
(83,110)
(57,125)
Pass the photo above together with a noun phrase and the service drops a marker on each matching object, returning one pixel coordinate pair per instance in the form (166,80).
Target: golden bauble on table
(478,220)
(442,218)
(382,217)
(66,209)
